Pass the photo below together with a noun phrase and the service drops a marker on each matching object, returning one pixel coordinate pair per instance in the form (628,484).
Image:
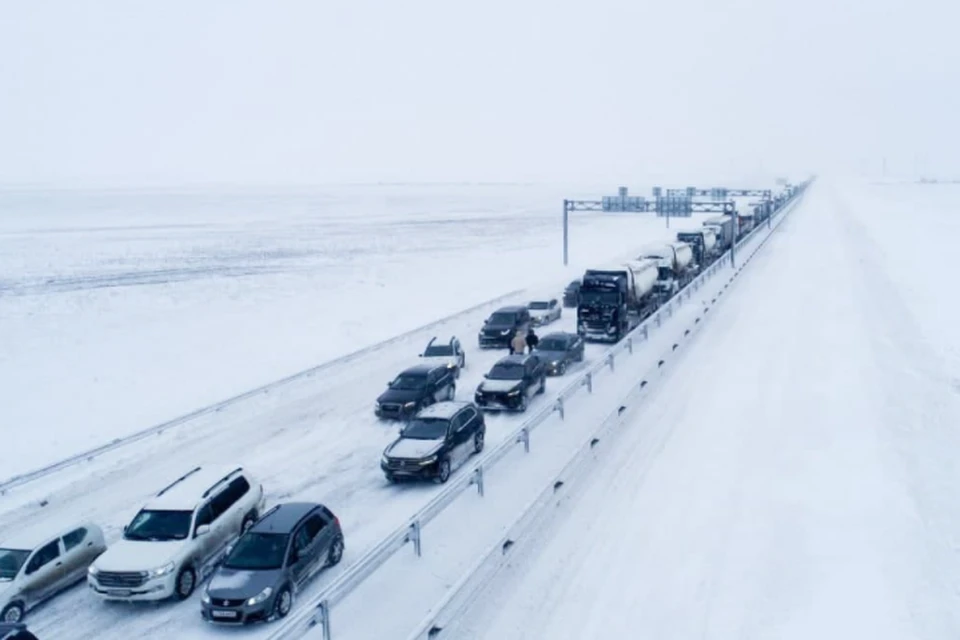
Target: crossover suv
(449,354)
(415,388)
(559,350)
(571,295)
(435,442)
(271,562)
(544,311)
(35,567)
(177,538)
(510,383)
(502,325)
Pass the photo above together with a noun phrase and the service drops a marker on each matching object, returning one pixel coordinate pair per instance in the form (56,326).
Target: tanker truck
(704,244)
(615,299)
(676,268)
(722,226)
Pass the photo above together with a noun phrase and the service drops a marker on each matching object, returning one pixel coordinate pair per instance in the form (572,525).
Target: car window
(204,516)
(301,539)
(74,538)
(466,417)
(44,555)
(314,525)
(230,496)
(553,303)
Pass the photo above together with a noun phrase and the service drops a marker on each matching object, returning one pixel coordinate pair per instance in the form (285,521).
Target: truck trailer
(615,299)
(703,241)
(722,226)
(676,266)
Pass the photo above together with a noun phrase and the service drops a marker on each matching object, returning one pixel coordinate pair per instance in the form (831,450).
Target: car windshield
(10,562)
(552,344)
(258,552)
(599,297)
(506,371)
(539,305)
(408,382)
(439,350)
(426,429)
(158,525)
(503,319)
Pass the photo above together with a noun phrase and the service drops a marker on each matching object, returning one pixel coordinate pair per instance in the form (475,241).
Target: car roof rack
(178,481)
(219,482)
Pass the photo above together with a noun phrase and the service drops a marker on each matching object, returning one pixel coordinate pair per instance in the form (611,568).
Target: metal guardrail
(522,532)
(158,429)
(317,612)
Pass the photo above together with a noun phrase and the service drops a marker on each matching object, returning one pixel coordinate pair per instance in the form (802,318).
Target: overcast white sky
(135,92)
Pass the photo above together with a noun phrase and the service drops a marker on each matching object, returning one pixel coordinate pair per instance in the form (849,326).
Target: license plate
(224,614)
(119,592)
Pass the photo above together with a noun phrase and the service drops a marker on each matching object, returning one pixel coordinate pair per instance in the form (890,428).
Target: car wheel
(443,472)
(523,403)
(13,612)
(478,442)
(562,369)
(543,385)
(186,583)
(453,392)
(392,479)
(335,554)
(283,603)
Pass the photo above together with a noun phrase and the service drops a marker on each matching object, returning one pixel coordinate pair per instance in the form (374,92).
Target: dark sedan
(571,295)
(271,562)
(415,388)
(559,350)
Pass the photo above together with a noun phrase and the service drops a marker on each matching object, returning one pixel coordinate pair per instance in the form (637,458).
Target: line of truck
(615,298)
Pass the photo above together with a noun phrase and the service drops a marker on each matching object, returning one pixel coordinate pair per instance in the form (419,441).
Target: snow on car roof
(444,410)
(186,493)
(30,538)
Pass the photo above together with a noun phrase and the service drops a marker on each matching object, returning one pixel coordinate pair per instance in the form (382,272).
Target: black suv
(559,350)
(436,441)
(571,295)
(498,330)
(415,388)
(511,381)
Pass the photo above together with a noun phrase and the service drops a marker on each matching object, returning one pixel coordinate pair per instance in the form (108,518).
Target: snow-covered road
(793,476)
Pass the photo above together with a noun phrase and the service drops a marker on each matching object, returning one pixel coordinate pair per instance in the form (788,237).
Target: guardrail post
(630,344)
(525,439)
(323,613)
(588,380)
(559,407)
(478,479)
(414,536)
(610,360)
(646,332)
(657,318)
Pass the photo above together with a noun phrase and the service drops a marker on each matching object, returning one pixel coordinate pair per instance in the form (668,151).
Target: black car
(559,350)
(270,563)
(511,382)
(436,441)
(15,631)
(415,388)
(498,330)
(571,295)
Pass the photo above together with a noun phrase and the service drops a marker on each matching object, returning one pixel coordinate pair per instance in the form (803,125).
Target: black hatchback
(437,441)
(416,388)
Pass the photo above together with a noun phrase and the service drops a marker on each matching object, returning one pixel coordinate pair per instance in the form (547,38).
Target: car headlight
(205,598)
(409,405)
(92,570)
(260,597)
(514,392)
(427,461)
(451,365)
(384,459)
(505,332)
(159,572)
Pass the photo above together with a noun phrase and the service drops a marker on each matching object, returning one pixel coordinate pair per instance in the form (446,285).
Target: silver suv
(178,537)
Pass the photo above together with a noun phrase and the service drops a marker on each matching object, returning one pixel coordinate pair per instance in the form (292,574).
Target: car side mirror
(487,376)
(202,530)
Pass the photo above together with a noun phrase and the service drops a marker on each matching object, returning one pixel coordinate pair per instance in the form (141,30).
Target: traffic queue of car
(212,523)
(441,433)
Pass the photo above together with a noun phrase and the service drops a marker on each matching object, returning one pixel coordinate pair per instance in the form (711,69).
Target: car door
(456,437)
(299,559)
(79,552)
(321,535)
(233,505)
(205,546)
(461,356)
(530,375)
(42,573)
(554,309)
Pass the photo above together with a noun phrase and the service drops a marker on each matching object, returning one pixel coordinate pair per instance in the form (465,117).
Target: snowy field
(124,309)
(794,476)
(314,439)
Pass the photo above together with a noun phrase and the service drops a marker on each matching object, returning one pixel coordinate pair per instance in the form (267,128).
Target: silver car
(544,312)
(36,567)
(260,578)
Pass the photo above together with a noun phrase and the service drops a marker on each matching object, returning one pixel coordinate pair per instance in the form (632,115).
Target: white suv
(177,539)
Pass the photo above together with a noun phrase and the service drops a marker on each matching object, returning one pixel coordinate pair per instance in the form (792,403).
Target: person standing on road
(532,339)
(518,344)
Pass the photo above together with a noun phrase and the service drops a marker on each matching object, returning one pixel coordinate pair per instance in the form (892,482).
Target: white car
(449,353)
(545,311)
(178,537)
(36,567)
